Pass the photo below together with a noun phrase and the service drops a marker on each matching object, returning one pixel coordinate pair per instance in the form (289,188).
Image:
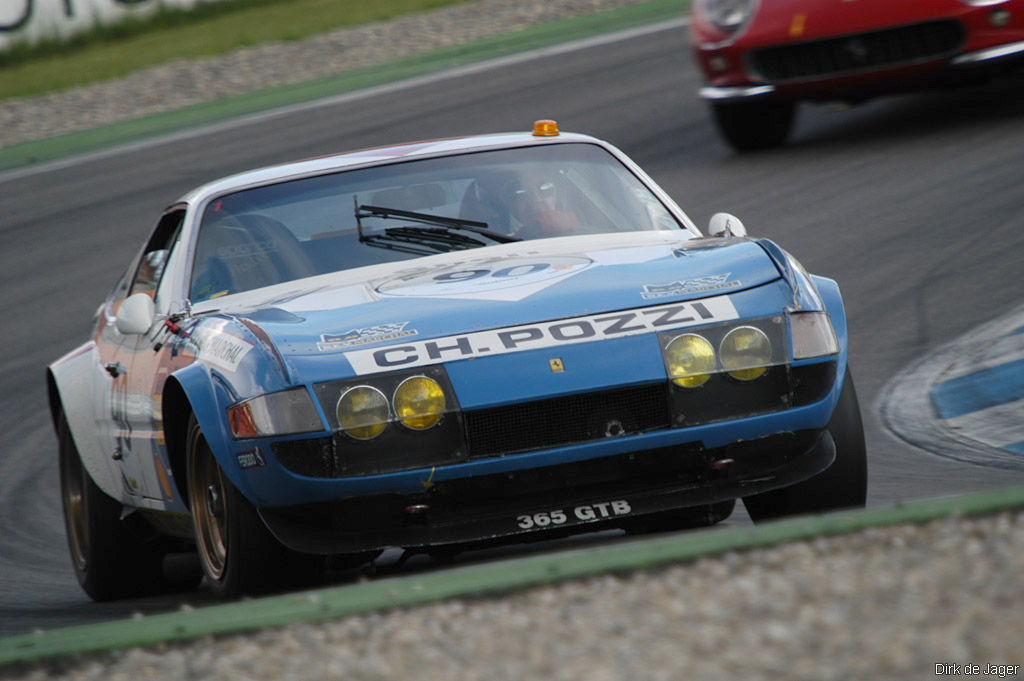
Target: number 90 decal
(605,509)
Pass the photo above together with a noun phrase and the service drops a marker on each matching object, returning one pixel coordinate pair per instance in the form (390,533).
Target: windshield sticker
(543,335)
(678,288)
(247,250)
(508,279)
(220,349)
(370,334)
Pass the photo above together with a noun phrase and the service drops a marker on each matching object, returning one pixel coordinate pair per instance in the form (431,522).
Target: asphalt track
(912,204)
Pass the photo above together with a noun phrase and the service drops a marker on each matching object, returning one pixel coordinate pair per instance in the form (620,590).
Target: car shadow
(911,117)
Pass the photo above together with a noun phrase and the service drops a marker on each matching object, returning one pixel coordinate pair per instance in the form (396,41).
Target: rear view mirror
(136,314)
(725,225)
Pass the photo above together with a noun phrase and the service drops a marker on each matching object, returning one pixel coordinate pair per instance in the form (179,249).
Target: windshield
(277,233)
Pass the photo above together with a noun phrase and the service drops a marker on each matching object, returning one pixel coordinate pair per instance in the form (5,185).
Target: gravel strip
(882,604)
(184,83)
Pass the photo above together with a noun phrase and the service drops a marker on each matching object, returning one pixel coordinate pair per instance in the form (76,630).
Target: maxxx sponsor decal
(677,288)
(543,335)
(369,334)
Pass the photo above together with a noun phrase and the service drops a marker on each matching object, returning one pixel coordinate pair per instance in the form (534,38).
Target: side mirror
(136,314)
(723,224)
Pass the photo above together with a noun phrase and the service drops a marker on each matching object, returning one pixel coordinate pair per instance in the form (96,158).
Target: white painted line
(906,408)
(988,355)
(997,426)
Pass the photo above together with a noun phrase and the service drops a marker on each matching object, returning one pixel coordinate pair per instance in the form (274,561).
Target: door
(138,376)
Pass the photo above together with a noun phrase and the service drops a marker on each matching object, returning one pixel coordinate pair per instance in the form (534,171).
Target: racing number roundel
(481,278)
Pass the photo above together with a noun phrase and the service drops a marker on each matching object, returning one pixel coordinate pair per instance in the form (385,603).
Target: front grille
(566,420)
(889,47)
(313,458)
(558,422)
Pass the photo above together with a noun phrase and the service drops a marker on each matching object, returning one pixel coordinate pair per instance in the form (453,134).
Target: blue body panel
(431,304)
(505,379)
(636,360)
(312,344)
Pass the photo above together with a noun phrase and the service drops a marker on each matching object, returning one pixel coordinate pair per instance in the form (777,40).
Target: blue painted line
(980,390)
(1015,448)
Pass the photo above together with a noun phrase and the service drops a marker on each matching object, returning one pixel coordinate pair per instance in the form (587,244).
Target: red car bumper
(799,50)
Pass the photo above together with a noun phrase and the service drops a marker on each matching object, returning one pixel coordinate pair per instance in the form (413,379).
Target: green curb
(87,141)
(474,581)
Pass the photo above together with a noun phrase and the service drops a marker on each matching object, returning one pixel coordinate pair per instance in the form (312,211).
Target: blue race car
(439,346)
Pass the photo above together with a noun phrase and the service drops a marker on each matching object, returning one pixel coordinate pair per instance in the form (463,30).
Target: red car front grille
(891,47)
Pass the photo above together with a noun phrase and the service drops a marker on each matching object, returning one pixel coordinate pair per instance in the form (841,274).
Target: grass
(95,139)
(211,29)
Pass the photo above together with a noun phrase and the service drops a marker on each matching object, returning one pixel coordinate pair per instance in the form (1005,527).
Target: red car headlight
(727,15)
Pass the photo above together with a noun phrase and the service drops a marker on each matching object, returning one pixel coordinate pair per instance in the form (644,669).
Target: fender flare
(828,289)
(197,390)
(70,390)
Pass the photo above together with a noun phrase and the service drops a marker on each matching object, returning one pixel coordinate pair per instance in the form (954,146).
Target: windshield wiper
(438,237)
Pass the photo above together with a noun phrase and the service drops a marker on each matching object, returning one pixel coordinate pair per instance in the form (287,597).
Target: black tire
(680,519)
(238,554)
(844,484)
(750,126)
(112,557)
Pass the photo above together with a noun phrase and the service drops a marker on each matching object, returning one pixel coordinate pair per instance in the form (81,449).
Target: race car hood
(495,287)
(800,20)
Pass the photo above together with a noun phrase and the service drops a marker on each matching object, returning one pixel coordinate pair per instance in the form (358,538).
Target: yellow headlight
(363,412)
(746,353)
(691,359)
(419,402)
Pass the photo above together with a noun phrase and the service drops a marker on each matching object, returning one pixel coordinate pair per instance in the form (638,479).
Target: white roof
(376,156)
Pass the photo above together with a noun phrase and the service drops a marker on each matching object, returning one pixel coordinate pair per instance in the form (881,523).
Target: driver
(533,205)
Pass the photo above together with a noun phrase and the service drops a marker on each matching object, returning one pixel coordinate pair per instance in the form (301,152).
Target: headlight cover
(750,371)
(744,351)
(410,419)
(288,412)
(419,402)
(363,412)
(728,15)
(813,335)
(690,359)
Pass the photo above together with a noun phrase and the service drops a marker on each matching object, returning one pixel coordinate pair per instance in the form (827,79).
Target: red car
(762,57)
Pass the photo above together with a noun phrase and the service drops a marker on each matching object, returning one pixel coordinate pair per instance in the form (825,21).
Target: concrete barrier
(32,21)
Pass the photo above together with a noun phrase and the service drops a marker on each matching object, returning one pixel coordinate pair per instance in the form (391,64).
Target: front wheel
(112,557)
(844,484)
(237,552)
(750,126)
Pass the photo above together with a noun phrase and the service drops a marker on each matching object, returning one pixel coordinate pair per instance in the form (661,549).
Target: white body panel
(81,381)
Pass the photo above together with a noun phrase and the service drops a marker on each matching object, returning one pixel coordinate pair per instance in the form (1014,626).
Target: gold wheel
(75,513)
(113,556)
(208,501)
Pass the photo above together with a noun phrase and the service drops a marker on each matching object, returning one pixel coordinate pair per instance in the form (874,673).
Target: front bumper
(558,500)
(966,67)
